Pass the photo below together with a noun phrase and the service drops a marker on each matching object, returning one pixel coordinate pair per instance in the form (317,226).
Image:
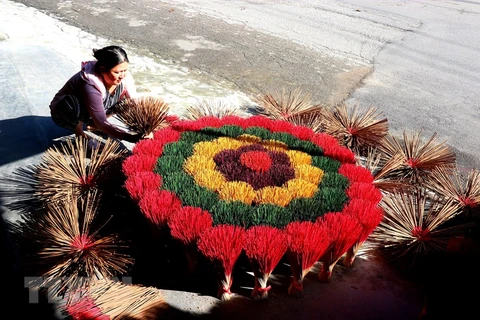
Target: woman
(89,95)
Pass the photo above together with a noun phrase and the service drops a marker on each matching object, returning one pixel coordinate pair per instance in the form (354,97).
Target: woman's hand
(148,136)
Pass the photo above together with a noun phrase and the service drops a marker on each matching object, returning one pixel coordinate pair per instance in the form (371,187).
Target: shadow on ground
(27,136)
(28,305)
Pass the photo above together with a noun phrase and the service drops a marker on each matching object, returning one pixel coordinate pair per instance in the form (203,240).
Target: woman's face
(116,74)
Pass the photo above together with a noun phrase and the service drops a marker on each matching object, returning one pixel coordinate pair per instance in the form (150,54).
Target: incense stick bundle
(414,226)
(186,225)
(344,231)
(264,247)
(210,108)
(356,130)
(419,157)
(63,171)
(144,114)
(369,216)
(463,189)
(70,250)
(314,120)
(222,245)
(386,176)
(68,169)
(307,242)
(107,299)
(284,104)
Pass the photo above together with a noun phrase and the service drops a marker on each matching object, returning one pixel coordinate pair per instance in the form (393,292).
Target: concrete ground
(35,60)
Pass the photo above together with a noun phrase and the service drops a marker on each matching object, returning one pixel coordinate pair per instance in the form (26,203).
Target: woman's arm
(94,103)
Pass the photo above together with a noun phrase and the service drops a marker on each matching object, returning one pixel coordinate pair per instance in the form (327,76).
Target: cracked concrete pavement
(417,62)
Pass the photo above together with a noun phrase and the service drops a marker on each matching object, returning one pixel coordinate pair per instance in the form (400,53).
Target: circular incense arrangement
(264,187)
(297,185)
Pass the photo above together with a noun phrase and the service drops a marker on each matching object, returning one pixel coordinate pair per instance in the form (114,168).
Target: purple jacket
(91,92)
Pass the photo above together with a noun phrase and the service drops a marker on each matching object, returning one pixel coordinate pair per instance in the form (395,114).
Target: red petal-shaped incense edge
(364,191)
(150,147)
(139,183)
(222,244)
(344,231)
(368,213)
(356,173)
(265,246)
(155,146)
(159,205)
(188,223)
(138,163)
(308,240)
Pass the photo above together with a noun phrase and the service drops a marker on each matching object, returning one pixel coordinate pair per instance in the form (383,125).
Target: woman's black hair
(109,57)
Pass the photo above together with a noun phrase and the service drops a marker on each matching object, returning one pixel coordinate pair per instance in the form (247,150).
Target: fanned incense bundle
(215,107)
(222,245)
(85,308)
(71,251)
(264,247)
(369,215)
(63,171)
(356,130)
(284,104)
(106,299)
(384,171)
(419,157)
(307,242)
(67,170)
(344,231)
(144,114)
(414,226)
(186,225)
(461,188)
(314,120)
